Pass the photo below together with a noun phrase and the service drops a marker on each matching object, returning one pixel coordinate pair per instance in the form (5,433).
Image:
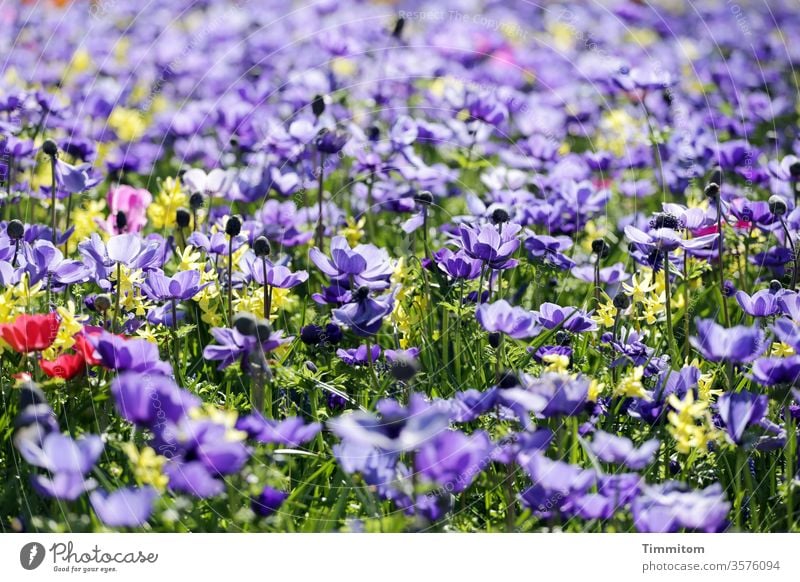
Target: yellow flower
(595,389)
(16,300)
(606,313)
(637,290)
(619,130)
(631,385)
(689,422)
(147,466)
(68,327)
(354,231)
(781,350)
(654,306)
(86,219)
(189,259)
(162,211)
(129,124)
(556,363)
(704,387)
(130,290)
(147,333)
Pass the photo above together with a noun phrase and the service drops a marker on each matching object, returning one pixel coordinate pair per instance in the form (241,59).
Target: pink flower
(133,202)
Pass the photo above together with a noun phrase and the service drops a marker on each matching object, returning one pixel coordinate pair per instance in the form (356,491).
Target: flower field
(350,266)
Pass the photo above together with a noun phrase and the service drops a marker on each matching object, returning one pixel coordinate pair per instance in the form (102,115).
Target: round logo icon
(31,555)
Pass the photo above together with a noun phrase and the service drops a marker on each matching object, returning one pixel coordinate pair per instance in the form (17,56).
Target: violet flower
(739,410)
(671,506)
(126,507)
(268,501)
(738,344)
(500,316)
(396,428)
(232,346)
(452,459)
(364,265)
(620,450)
(292,431)
(763,303)
(777,371)
(457,265)
(66,460)
(491,245)
(151,400)
(364,315)
(181,286)
(572,319)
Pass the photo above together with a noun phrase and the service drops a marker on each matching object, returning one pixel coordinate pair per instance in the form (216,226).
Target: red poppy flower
(65,366)
(84,347)
(30,333)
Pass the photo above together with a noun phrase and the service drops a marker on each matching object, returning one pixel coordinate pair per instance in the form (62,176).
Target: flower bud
(500,215)
(196,201)
(261,247)
(424,197)
(494,339)
(600,248)
(621,301)
(234,226)
(404,368)
(121,221)
(245,323)
(50,148)
(777,205)
(508,379)
(15,229)
(102,303)
(318,105)
(712,191)
(182,217)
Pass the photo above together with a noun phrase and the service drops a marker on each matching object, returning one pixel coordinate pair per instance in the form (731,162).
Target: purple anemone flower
(777,371)
(761,304)
(364,316)
(366,265)
(547,396)
(620,450)
(572,319)
(151,400)
(738,344)
(232,346)
(193,478)
(127,507)
(739,410)
(268,501)
(292,431)
(669,507)
(500,316)
(121,354)
(468,405)
(667,239)
(66,460)
(182,286)
(452,459)
(359,356)
(491,245)
(265,272)
(549,250)
(46,261)
(396,428)
(457,265)
(75,179)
